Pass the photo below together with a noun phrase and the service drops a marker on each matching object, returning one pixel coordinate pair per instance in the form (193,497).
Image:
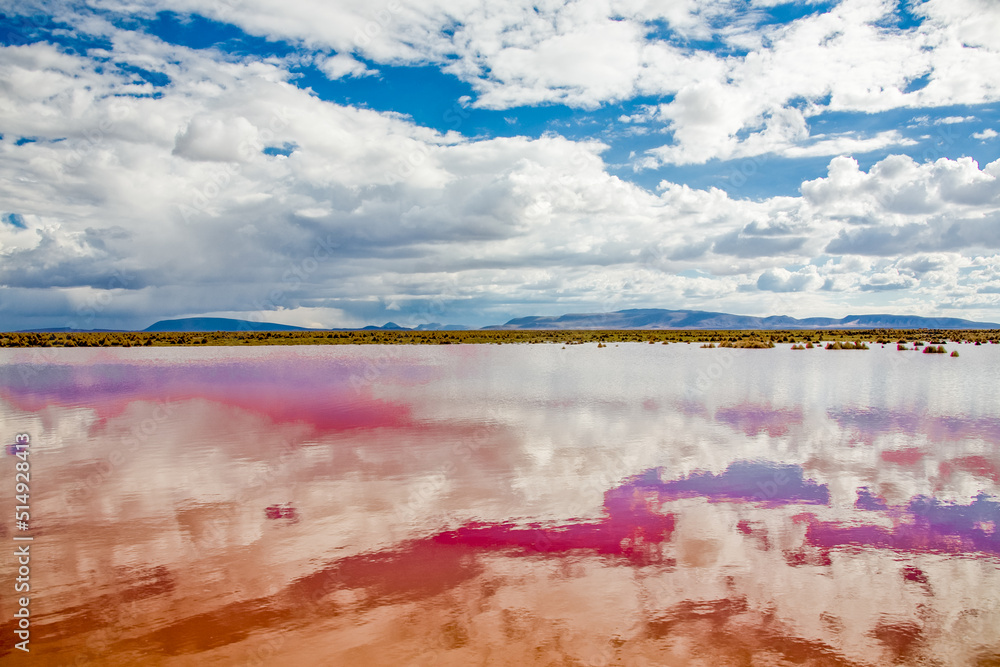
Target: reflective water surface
(507,505)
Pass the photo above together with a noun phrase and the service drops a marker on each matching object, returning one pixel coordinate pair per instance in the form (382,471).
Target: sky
(338,164)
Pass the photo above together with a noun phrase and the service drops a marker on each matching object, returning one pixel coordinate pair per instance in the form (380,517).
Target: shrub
(754,344)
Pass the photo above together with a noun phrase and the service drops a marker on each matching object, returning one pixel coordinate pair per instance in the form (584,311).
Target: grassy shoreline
(720,338)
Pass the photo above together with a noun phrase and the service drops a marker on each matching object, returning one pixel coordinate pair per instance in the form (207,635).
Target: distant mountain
(219,324)
(191,324)
(388,326)
(658,318)
(642,318)
(71,330)
(433,326)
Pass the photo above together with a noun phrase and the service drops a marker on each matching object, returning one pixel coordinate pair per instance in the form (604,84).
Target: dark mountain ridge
(658,318)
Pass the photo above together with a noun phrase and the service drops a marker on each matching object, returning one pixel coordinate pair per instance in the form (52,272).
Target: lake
(505,505)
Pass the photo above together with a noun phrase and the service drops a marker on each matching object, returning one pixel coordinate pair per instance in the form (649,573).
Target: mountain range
(658,318)
(227,324)
(638,318)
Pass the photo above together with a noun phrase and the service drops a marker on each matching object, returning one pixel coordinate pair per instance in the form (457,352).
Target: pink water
(506,505)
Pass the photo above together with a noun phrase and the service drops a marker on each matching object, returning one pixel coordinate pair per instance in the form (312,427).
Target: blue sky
(341,164)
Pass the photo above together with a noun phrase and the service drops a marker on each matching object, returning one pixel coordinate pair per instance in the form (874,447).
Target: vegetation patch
(849,339)
(847,345)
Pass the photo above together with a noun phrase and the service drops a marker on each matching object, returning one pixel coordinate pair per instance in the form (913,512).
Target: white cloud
(588,63)
(217,139)
(953,120)
(847,144)
(646,113)
(584,54)
(889,279)
(777,3)
(971,22)
(986,135)
(371,209)
(785,135)
(342,64)
(782,280)
(898,188)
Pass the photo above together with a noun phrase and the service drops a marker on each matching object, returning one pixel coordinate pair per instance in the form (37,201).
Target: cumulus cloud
(782,280)
(890,279)
(134,206)
(342,64)
(217,139)
(757,99)
(897,188)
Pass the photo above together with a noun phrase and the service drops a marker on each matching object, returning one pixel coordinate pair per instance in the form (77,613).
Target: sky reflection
(505,506)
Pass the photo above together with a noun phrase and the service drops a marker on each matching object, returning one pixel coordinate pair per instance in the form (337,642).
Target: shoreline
(719,338)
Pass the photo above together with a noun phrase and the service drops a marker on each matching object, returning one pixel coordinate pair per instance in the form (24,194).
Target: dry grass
(733,339)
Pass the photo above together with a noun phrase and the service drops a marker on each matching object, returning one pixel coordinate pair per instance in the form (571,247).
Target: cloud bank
(144,179)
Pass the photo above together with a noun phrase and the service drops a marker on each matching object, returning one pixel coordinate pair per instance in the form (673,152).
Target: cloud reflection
(349,509)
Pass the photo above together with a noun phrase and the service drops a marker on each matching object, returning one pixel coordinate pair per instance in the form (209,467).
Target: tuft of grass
(847,345)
